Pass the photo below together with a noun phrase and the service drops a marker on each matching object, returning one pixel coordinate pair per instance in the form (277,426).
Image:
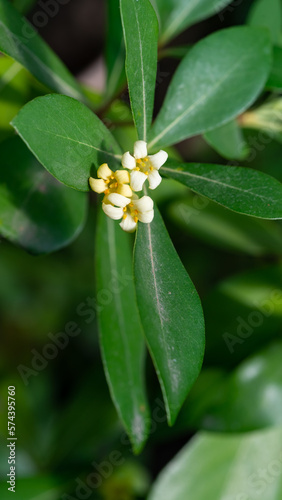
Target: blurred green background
(67,429)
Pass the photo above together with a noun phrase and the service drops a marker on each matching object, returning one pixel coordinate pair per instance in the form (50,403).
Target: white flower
(129,210)
(111,182)
(143,166)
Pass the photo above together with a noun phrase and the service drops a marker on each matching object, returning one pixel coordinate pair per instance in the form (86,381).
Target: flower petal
(158,159)
(122,176)
(97,185)
(104,171)
(145,204)
(112,212)
(128,224)
(118,200)
(128,161)
(137,180)
(124,190)
(146,216)
(140,149)
(154,179)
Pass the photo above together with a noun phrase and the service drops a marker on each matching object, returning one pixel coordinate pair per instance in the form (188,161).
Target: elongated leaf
(245,402)
(240,467)
(267,14)
(140,27)
(228,141)
(177,15)
(115,51)
(37,212)
(204,92)
(20,41)
(171,313)
(242,190)
(66,137)
(274,81)
(225,229)
(121,336)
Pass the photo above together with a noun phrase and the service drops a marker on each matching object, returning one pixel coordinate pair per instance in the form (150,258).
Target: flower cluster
(119,187)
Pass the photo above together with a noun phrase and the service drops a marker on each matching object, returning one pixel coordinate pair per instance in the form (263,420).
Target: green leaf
(240,189)
(222,228)
(140,27)
(121,335)
(171,313)
(115,51)
(274,81)
(20,41)
(250,398)
(177,15)
(228,141)
(37,212)
(267,14)
(66,137)
(203,93)
(217,467)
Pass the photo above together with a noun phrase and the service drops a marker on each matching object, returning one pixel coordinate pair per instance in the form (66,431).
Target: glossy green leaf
(177,15)
(37,212)
(250,398)
(67,138)
(240,189)
(250,315)
(115,50)
(121,335)
(274,81)
(140,27)
(267,14)
(217,467)
(203,93)
(19,40)
(222,228)
(228,141)
(171,313)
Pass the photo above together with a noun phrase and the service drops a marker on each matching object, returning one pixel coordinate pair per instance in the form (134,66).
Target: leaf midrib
(160,315)
(229,186)
(196,103)
(78,142)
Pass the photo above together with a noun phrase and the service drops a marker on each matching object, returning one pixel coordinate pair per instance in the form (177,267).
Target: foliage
(57,143)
